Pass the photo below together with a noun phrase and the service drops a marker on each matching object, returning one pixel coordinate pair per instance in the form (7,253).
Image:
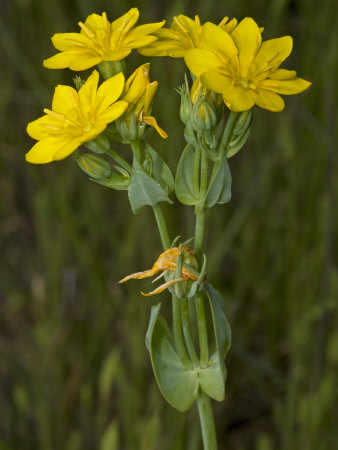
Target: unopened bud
(204,115)
(99,145)
(93,165)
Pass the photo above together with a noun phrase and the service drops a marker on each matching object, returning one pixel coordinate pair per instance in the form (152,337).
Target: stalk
(207,421)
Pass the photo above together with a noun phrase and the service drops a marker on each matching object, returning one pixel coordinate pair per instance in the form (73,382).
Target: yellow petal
(272,53)
(150,120)
(248,39)
(44,151)
(61,60)
(140,275)
(238,99)
(282,74)
(268,100)
(87,93)
(125,22)
(117,55)
(66,150)
(65,98)
(149,95)
(201,60)
(70,41)
(41,127)
(142,31)
(112,113)
(142,41)
(183,24)
(93,133)
(287,87)
(219,41)
(85,62)
(109,91)
(93,22)
(216,82)
(162,287)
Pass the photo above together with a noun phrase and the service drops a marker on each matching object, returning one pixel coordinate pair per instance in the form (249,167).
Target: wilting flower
(244,69)
(139,93)
(99,40)
(167,262)
(75,118)
(183,35)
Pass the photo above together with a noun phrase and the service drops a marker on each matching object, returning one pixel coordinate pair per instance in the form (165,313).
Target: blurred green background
(74,370)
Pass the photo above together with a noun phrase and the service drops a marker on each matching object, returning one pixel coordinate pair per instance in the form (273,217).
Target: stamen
(77,43)
(87,30)
(197,20)
(54,114)
(50,127)
(180,25)
(223,21)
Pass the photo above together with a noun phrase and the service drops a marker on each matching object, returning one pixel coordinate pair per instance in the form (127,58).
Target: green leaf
(184,184)
(144,190)
(220,185)
(178,384)
(161,171)
(213,380)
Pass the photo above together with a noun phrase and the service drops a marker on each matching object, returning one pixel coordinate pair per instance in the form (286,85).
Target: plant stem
(202,329)
(207,421)
(199,232)
(186,331)
(116,157)
(178,335)
(228,131)
(162,226)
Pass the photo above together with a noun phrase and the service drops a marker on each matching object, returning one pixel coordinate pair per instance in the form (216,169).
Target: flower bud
(139,93)
(93,165)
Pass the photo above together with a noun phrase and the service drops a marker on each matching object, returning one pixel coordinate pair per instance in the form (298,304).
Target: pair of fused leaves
(150,182)
(178,383)
(219,190)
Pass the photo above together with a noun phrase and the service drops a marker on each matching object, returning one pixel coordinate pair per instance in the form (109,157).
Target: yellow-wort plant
(233,69)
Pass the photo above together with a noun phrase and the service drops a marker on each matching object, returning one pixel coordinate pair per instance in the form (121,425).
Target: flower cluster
(229,60)
(79,117)
(232,60)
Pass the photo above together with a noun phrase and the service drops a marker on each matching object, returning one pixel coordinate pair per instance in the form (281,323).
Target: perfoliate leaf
(184,185)
(223,339)
(144,190)
(178,384)
(161,171)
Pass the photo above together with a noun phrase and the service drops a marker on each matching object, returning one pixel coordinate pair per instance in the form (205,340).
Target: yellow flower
(139,93)
(183,35)
(244,69)
(99,40)
(75,118)
(165,263)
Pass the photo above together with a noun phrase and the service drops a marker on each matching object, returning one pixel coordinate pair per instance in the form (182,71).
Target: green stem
(202,329)
(162,226)
(137,150)
(207,421)
(116,157)
(186,331)
(178,335)
(196,172)
(228,132)
(199,233)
